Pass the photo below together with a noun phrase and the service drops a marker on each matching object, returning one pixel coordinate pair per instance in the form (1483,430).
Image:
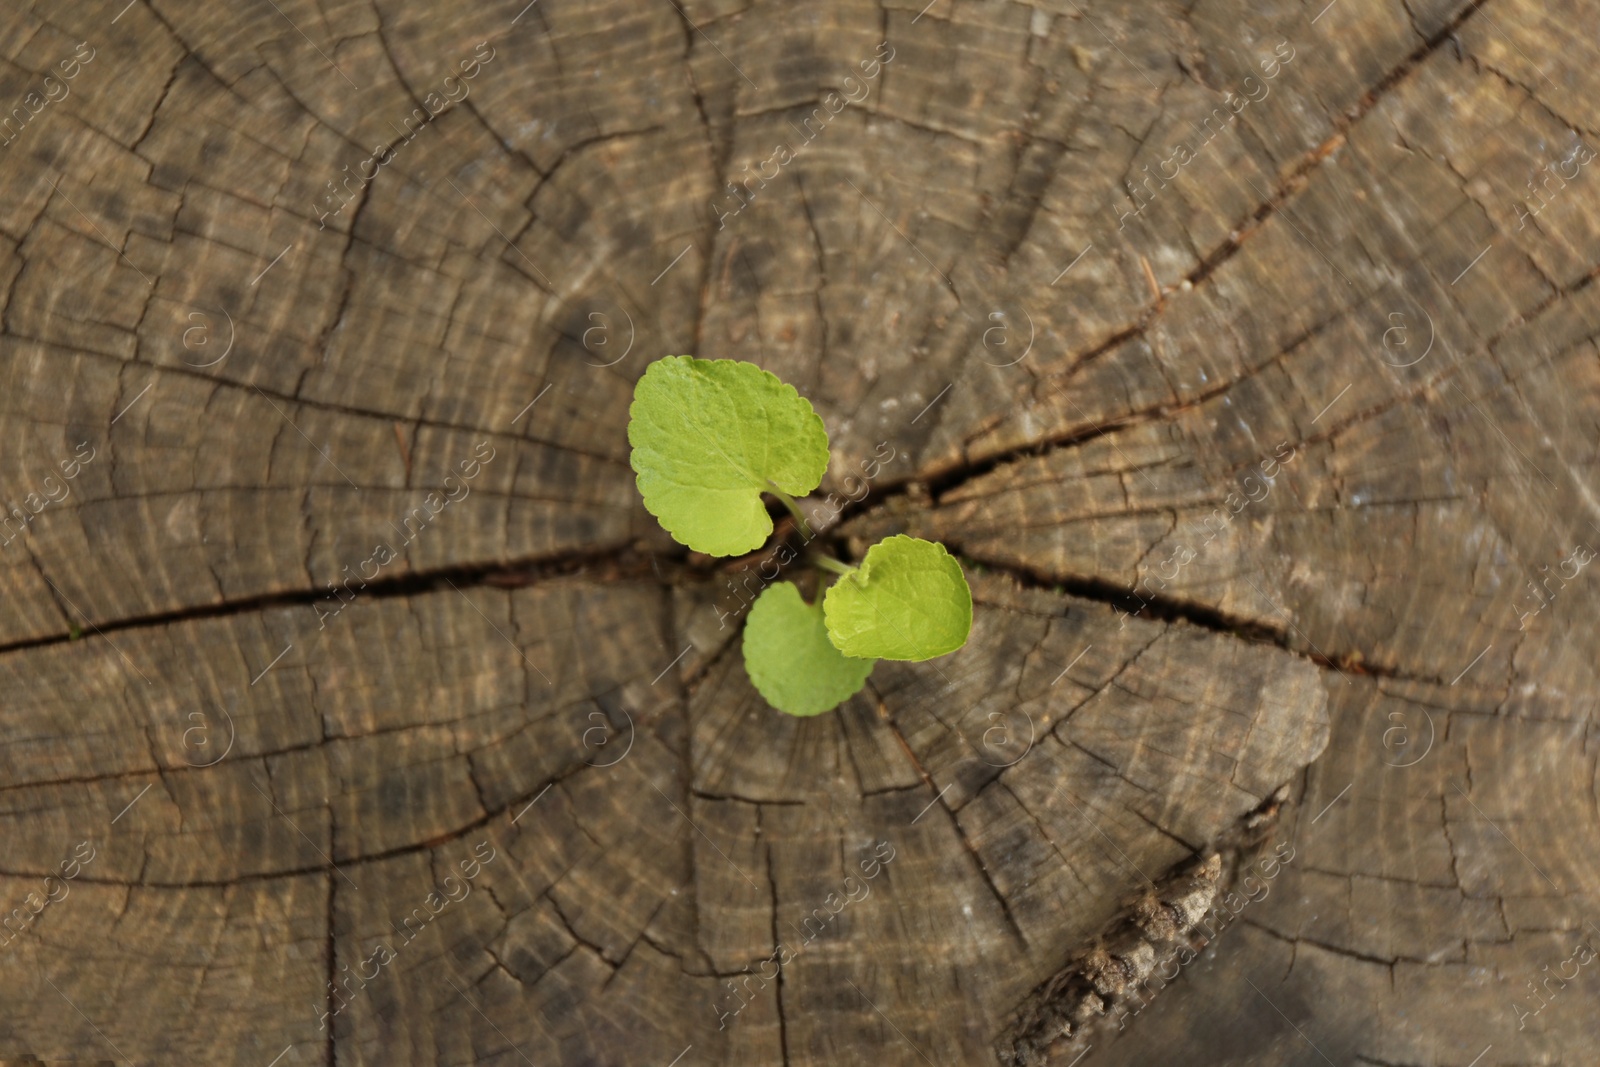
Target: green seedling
(709,438)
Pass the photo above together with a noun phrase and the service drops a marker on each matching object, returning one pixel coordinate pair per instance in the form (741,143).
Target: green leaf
(708,435)
(908,600)
(790,659)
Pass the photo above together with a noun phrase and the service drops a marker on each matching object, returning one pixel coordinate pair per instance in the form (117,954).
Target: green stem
(794,509)
(828,563)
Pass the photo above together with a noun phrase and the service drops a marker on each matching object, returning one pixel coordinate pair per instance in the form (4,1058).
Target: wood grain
(400,733)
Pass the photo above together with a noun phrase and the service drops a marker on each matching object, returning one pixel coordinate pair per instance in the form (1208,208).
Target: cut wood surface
(356,712)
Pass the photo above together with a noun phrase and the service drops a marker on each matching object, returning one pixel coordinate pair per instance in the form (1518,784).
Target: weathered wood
(356,712)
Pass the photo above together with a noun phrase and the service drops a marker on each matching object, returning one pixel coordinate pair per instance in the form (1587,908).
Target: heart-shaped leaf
(790,659)
(708,437)
(908,600)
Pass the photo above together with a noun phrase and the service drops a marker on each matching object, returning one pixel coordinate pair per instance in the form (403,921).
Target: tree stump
(356,712)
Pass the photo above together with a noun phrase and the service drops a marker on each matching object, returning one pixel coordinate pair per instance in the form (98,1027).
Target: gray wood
(1251,467)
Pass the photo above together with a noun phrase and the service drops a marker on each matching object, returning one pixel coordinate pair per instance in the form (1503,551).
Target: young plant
(709,437)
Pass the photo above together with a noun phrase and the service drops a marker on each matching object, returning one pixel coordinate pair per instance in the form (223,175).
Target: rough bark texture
(1272,462)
